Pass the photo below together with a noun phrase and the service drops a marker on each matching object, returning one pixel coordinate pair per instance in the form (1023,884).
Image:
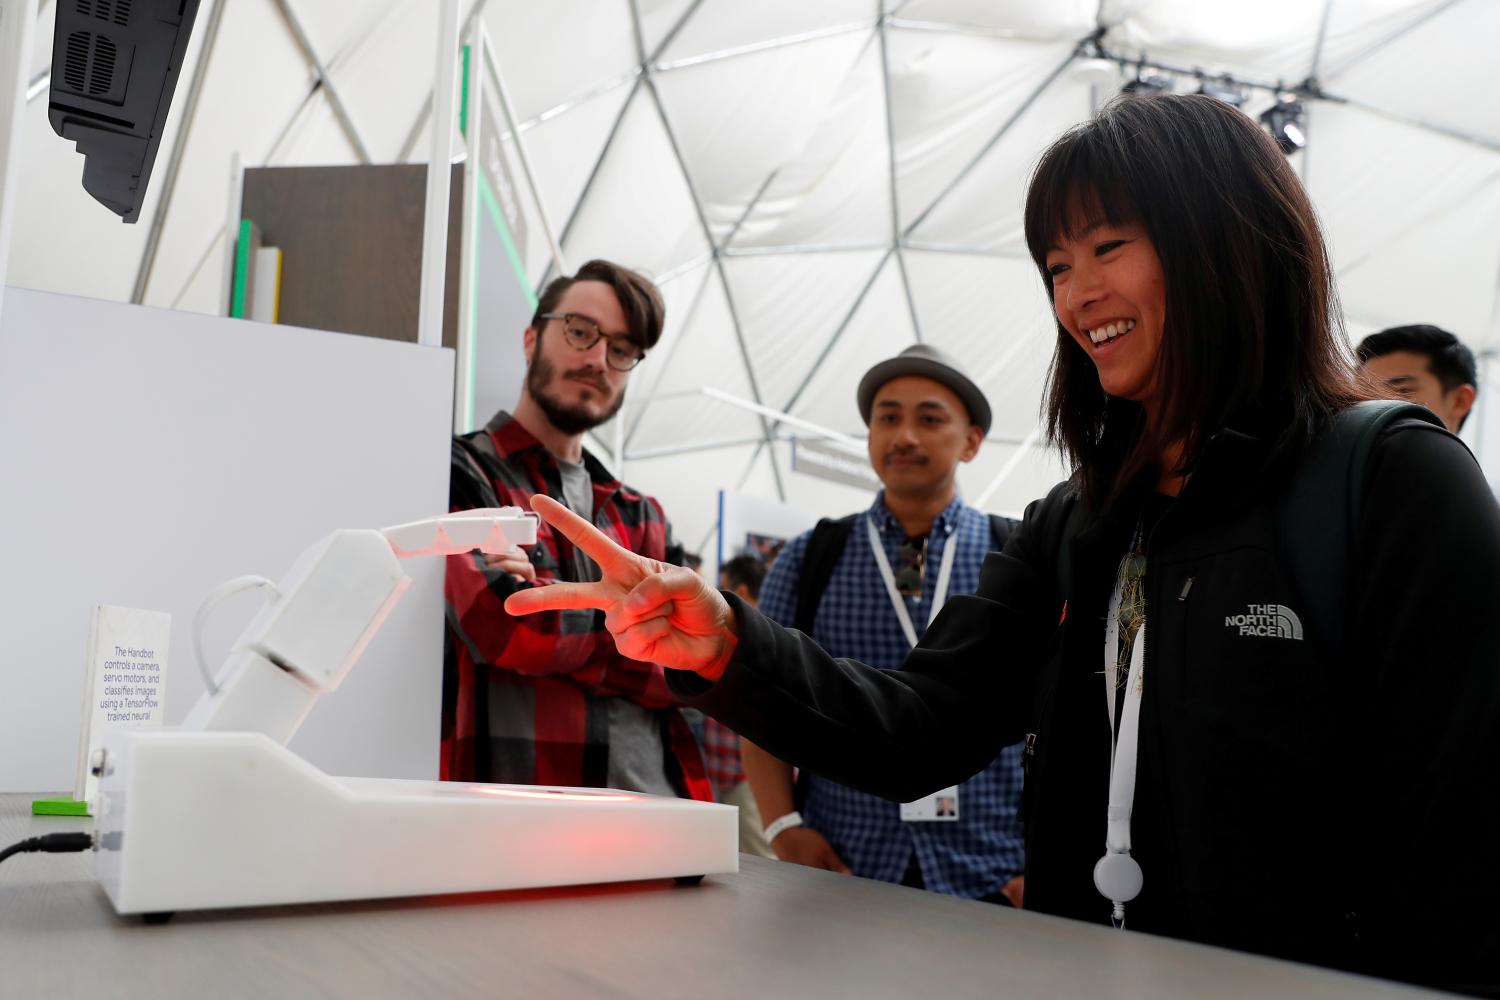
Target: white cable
(216,595)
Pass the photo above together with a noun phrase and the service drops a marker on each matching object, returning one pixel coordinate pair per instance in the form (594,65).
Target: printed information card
(123,687)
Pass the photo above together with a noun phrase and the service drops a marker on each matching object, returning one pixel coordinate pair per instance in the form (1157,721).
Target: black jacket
(1339,809)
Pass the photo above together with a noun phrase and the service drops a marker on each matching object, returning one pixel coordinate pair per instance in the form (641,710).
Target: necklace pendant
(1118,877)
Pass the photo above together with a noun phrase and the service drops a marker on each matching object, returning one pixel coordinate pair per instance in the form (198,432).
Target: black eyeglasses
(580,332)
(911,555)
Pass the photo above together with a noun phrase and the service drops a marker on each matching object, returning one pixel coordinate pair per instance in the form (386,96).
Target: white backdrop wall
(149,455)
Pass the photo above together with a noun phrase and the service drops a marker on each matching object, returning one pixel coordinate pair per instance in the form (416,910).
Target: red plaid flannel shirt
(555,676)
(721,752)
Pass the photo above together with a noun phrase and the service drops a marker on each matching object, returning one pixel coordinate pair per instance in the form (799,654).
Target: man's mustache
(590,376)
(908,454)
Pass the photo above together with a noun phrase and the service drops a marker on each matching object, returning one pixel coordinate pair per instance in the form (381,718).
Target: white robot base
(201,820)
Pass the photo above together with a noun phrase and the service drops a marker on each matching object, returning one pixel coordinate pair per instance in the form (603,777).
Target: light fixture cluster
(1223,88)
(1283,119)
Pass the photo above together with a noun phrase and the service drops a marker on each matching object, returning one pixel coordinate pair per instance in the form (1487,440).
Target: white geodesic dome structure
(816,184)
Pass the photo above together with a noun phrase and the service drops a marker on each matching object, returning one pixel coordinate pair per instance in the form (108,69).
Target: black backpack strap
(1319,512)
(825,546)
(1000,529)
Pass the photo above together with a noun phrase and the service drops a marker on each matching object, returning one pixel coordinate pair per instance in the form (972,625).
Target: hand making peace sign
(657,612)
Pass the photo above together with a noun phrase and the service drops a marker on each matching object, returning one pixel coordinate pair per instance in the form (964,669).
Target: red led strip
(518,793)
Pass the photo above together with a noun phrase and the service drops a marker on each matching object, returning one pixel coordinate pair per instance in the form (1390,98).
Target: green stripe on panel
(241,271)
(487,198)
(463,96)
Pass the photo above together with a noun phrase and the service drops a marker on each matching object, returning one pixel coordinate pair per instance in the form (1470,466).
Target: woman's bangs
(1075,189)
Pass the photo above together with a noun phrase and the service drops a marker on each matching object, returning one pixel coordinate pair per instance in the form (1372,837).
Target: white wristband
(782,825)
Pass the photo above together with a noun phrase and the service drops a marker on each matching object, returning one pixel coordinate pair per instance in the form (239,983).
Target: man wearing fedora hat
(865,586)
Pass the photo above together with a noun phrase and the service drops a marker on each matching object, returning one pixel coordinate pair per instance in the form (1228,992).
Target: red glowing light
(520,793)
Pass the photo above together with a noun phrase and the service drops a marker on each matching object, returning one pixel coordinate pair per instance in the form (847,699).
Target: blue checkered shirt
(984,849)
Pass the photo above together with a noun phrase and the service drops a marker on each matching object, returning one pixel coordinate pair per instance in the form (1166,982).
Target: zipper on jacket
(1186,588)
(1028,754)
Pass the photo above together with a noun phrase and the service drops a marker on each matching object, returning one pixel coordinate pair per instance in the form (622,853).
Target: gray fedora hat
(928,362)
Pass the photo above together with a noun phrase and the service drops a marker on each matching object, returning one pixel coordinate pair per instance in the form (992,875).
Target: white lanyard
(939,594)
(1117,875)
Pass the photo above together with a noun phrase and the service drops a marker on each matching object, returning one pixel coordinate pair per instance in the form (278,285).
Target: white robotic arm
(325,611)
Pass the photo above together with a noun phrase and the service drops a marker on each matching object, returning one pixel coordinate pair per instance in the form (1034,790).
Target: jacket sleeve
(1422,683)
(961,696)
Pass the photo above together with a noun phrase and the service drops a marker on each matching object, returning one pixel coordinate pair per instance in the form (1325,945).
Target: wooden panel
(352,244)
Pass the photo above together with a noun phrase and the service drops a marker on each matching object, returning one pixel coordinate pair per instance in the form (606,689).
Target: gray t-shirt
(578,495)
(636,753)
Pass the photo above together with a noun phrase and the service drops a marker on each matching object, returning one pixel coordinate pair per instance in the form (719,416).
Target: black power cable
(54,843)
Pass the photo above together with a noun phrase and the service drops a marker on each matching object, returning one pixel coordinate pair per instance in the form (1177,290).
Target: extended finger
(559,597)
(610,557)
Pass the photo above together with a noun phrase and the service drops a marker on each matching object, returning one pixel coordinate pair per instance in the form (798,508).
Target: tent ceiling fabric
(817,185)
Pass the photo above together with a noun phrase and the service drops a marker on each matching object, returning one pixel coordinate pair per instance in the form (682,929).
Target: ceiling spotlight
(1224,89)
(1148,82)
(1284,121)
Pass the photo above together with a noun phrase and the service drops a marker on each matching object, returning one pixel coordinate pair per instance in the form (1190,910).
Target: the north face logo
(1273,620)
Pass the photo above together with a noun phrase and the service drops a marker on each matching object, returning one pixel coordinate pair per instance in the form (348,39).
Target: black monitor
(114,67)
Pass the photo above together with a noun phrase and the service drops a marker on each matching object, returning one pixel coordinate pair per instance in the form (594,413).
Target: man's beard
(568,419)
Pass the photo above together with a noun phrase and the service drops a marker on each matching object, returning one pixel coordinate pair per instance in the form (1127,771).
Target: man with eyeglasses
(546,699)
(865,587)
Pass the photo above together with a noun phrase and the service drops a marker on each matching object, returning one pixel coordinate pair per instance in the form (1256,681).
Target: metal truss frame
(641,82)
(900,239)
(335,100)
(164,205)
(708,235)
(174,161)
(895,185)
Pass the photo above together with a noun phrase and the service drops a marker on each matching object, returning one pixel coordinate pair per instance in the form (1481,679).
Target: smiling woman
(1181,222)
(1244,778)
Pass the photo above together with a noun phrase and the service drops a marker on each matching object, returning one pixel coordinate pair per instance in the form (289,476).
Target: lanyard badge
(1117,875)
(940,592)
(941,805)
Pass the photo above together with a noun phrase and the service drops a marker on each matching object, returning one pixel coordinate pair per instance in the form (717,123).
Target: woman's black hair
(1251,328)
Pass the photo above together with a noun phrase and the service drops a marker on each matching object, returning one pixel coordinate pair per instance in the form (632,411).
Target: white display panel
(16,21)
(149,455)
(750,525)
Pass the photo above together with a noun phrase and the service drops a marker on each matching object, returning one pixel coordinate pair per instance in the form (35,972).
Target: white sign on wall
(827,460)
